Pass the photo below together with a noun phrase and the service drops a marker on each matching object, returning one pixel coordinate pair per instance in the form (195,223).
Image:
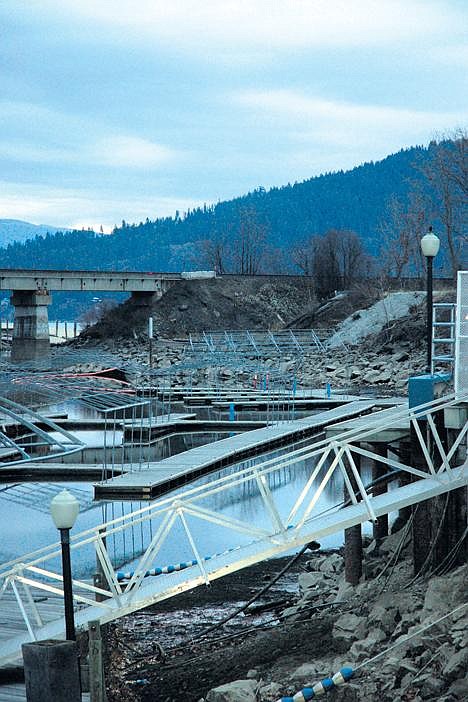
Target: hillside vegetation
(339,228)
(273,221)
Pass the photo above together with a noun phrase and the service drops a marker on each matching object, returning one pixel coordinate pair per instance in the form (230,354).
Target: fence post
(51,671)
(97,690)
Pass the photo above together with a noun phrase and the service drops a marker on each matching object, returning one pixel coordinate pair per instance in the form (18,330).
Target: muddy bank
(417,626)
(190,667)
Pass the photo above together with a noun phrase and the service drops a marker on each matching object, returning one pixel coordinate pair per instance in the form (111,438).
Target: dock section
(394,431)
(162,476)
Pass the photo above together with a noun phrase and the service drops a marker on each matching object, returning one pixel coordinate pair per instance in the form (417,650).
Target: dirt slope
(216,304)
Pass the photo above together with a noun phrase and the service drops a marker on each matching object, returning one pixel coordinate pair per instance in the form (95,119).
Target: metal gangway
(27,436)
(28,580)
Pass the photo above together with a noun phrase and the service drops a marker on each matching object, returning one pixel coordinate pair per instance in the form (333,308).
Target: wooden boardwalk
(49,605)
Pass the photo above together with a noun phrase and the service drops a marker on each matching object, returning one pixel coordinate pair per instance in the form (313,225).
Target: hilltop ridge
(16,230)
(274,220)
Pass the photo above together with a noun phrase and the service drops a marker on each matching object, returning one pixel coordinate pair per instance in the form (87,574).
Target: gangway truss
(282,527)
(26,436)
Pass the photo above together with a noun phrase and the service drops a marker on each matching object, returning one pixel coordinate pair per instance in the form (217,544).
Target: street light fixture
(430,244)
(64,509)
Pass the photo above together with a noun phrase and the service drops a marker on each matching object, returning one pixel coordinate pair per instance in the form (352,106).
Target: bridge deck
(123,281)
(164,475)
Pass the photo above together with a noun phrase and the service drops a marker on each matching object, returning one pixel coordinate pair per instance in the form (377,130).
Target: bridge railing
(280,528)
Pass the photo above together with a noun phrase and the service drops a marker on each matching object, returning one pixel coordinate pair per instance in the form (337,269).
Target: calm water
(26,524)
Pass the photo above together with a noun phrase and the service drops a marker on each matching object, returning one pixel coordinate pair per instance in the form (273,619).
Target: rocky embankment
(373,363)
(382,615)
(383,359)
(305,628)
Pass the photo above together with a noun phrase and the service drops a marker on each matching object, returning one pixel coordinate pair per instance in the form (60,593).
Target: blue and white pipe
(322,687)
(122,575)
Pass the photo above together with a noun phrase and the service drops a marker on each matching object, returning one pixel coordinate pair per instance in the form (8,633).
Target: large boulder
(460,688)
(384,616)
(237,691)
(393,542)
(347,629)
(270,691)
(315,581)
(445,593)
(456,666)
(367,647)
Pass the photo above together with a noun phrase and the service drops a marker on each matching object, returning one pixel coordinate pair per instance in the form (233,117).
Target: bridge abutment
(31,329)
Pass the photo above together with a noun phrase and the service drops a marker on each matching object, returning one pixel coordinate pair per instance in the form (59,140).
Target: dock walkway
(51,607)
(160,477)
(396,429)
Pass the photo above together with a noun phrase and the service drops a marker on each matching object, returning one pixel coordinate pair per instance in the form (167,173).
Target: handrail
(380,420)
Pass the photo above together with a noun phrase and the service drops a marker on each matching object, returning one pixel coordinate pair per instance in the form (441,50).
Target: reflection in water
(25,529)
(242,502)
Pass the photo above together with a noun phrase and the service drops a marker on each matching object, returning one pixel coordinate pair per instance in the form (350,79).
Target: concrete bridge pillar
(31,328)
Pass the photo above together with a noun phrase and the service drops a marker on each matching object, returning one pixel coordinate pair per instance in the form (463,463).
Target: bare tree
(339,260)
(213,254)
(249,246)
(401,231)
(447,174)
(302,255)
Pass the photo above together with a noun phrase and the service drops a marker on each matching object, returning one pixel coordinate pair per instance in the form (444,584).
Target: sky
(127,109)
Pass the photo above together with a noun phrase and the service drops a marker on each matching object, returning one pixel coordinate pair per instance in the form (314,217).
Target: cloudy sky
(127,109)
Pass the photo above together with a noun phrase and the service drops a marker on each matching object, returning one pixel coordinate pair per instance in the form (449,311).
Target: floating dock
(162,476)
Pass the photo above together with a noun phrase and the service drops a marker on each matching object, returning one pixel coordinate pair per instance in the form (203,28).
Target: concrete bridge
(31,296)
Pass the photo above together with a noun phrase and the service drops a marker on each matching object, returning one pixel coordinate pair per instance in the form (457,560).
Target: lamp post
(64,509)
(430,244)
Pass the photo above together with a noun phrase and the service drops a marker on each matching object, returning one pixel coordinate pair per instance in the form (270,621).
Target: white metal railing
(443,336)
(279,532)
(461,335)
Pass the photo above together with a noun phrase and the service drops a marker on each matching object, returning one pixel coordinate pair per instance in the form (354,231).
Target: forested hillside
(355,200)
(384,205)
